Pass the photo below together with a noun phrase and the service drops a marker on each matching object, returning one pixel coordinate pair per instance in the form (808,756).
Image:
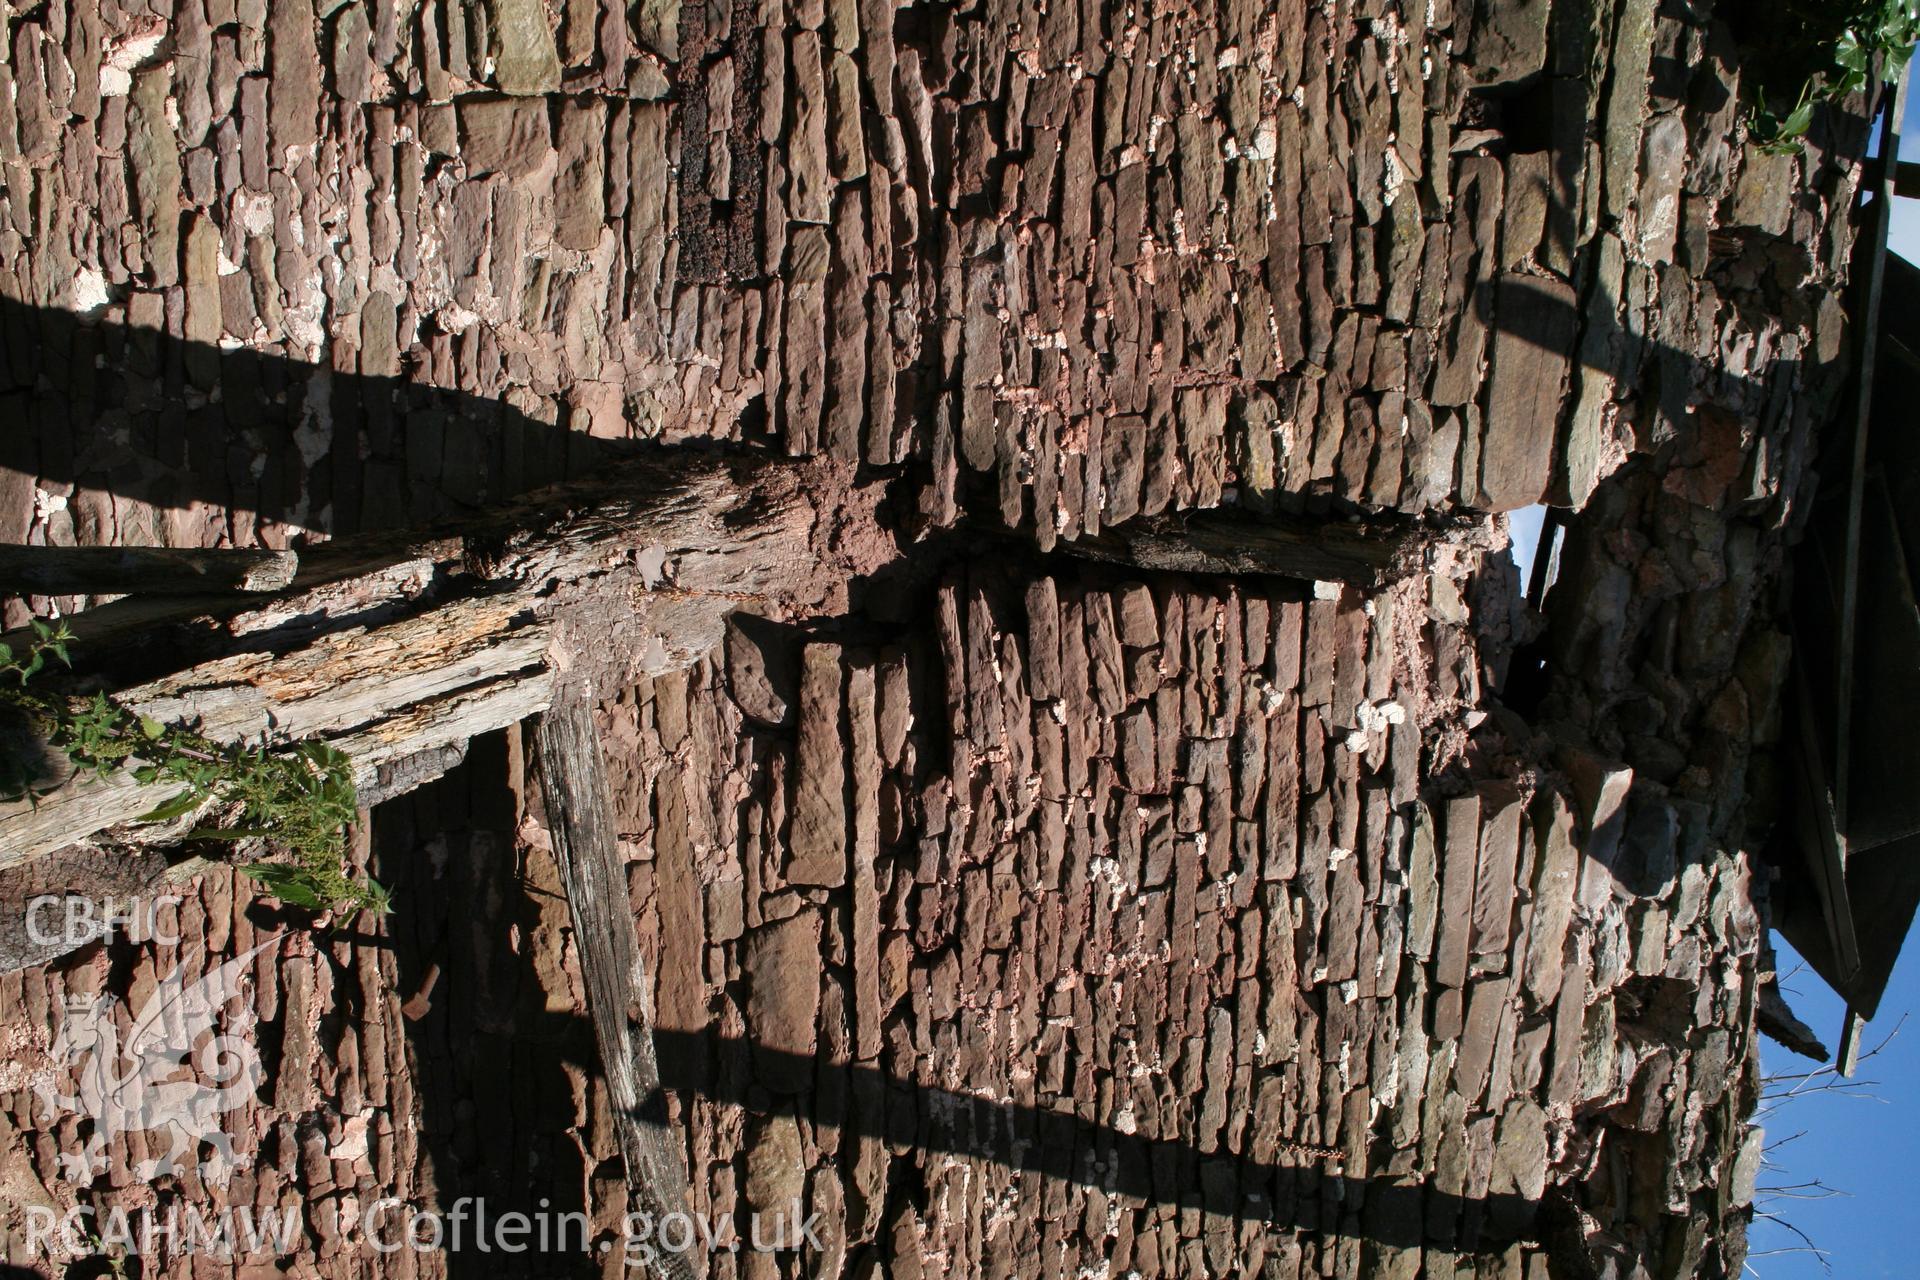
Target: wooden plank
(1883,197)
(332,586)
(1221,542)
(1883,804)
(1906,179)
(403,644)
(153,571)
(672,540)
(1829,864)
(380,695)
(434,735)
(579,804)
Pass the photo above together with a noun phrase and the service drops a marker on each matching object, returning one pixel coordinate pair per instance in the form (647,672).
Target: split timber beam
(579,807)
(1237,544)
(397,649)
(112,571)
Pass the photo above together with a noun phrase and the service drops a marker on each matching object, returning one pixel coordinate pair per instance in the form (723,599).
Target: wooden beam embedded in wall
(579,804)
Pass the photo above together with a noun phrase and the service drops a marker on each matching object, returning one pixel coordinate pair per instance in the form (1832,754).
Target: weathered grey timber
(410,646)
(105,571)
(573,784)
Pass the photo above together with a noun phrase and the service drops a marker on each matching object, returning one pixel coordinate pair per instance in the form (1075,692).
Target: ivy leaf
(1850,53)
(285,883)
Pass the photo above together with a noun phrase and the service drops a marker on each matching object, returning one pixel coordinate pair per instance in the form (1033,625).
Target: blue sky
(1859,1142)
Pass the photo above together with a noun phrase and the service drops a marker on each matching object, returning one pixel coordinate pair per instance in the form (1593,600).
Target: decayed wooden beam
(169,571)
(380,695)
(636,574)
(1224,542)
(579,805)
(697,533)
(336,583)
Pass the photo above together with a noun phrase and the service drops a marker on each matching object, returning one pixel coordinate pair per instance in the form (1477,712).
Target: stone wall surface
(1142,939)
(1101,261)
(1055,922)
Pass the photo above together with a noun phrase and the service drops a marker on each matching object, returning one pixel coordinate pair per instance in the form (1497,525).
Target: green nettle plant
(1830,49)
(299,798)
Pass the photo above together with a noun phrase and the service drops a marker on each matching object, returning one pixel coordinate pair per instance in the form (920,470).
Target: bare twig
(1810,1247)
(1815,1190)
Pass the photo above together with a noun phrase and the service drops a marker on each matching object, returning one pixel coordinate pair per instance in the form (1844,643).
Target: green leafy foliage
(112,1257)
(298,798)
(48,641)
(17,772)
(1828,50)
